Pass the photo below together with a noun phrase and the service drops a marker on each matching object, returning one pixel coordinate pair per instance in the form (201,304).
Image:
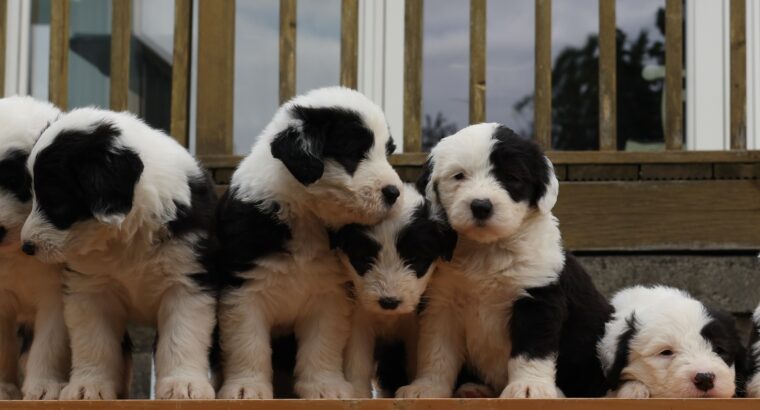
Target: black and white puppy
(129,211)
(662,343)
(391,264)
(511,305)
(320,164)
(753,379)
(30,291)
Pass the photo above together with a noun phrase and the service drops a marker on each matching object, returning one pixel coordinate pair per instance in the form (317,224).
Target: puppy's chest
(394,328)
(29,281)
(309,249)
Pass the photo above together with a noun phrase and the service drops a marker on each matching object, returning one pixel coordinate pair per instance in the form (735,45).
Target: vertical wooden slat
(738,74)
(121,19)
(216,72)
(674,74)
(3,30)
(607,76)
(542,104)
(59,53)
(413,75)
(183,27)
(349,43)
(477,61)
(287,49)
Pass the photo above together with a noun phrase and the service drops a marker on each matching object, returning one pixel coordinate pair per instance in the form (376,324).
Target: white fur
(125,268)
(667,319)
(470,299)
(753,385)
(30,291)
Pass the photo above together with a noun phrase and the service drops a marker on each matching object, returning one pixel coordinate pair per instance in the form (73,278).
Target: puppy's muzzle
(704,381)
(482,209)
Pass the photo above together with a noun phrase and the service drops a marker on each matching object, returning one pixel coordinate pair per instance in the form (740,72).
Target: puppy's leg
(246,347)
(47,367)
(9,349)
(186,322)
(359,360)
(322,334)
(96,323)
(632,390)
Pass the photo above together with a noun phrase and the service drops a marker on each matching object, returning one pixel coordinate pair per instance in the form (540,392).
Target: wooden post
(3,30)
(58,76)
(413,75)
(738,74)
(287,49)
(216,73)
(542,104)
(121,20)
(607,76)
(183,27)
(349,43)
(674,74)
(477,61)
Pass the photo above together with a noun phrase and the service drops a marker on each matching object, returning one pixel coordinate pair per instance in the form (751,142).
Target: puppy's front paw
(183,388)
(245,389)
(42,389)
(474,391)
(423,390)
(88,390)
(361,391)
(632,390)
(9,391)
(324,388)
(534,390)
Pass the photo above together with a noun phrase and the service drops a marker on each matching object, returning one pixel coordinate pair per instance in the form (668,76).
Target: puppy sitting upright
(511,305)
(320,164)
(662,343)
(129,211)
(391,264)
(30,291)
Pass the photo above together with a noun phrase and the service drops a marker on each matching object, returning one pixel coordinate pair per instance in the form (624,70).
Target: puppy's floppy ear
(547,202)
(301,153)
(344,237)
(448,239)
(424,180)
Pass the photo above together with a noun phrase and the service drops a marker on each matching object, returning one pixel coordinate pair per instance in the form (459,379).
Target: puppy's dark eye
(666,353)
(459,176)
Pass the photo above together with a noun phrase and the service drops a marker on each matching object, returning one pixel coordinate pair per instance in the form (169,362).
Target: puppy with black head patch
(753,354)
(391,264)
(30,291)
(662,343)
(130,213)
(511,305)
(320,164)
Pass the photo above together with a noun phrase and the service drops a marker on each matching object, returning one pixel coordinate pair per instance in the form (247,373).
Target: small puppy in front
(390,264)
(129,212)
(753,379)
(30,291)
(511,306)
(662,343)
(320,164)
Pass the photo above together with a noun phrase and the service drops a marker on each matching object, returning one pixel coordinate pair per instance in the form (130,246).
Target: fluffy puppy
(30,291)
(662,343)
(390,264)
(320,164)
(753,380)
(511,305)
(129,211)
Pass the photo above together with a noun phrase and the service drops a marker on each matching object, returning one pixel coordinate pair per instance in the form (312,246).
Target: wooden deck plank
(183,27)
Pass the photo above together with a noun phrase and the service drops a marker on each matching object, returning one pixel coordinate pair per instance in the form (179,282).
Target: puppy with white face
(30,291)
(662,343)
(391,264)
(129,212)
(320,164)
(753,366)
(510,306)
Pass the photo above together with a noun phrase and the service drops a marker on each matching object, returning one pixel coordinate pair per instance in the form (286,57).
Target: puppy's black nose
(390,194)
(28,248)
(389,303)
(482,209)
(2,233)
(704,381)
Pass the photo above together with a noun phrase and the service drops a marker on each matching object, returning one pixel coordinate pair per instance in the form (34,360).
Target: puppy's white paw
(534,390)
(9,391)
(245,389)
(632,390)
(474,391)
(753,387)
(183,388)
(324,388)
(88,390)
(361,391)
(42,389)
(423,390)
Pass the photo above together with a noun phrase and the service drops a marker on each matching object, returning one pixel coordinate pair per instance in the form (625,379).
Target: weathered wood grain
(542,104)
(287,49)
(181,57)
(676,171)
(607,76)
(349,43)
(121,32)
(738,74)
(478,58)
(674,74)
(413,75)
(58,75)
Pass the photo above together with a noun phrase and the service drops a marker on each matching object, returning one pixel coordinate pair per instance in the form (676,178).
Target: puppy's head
(84,180)
(335,142)
(672,344)
(22,119)
(392,262)
(487,180)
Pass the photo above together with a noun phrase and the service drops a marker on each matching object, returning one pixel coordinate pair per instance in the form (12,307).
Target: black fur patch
(391,366)
(14,177)
(361,250)
(390,146)
(84,173)
(622,353)
(519,166)
(753,367)
(424,178)
(424,240)
(723,336)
